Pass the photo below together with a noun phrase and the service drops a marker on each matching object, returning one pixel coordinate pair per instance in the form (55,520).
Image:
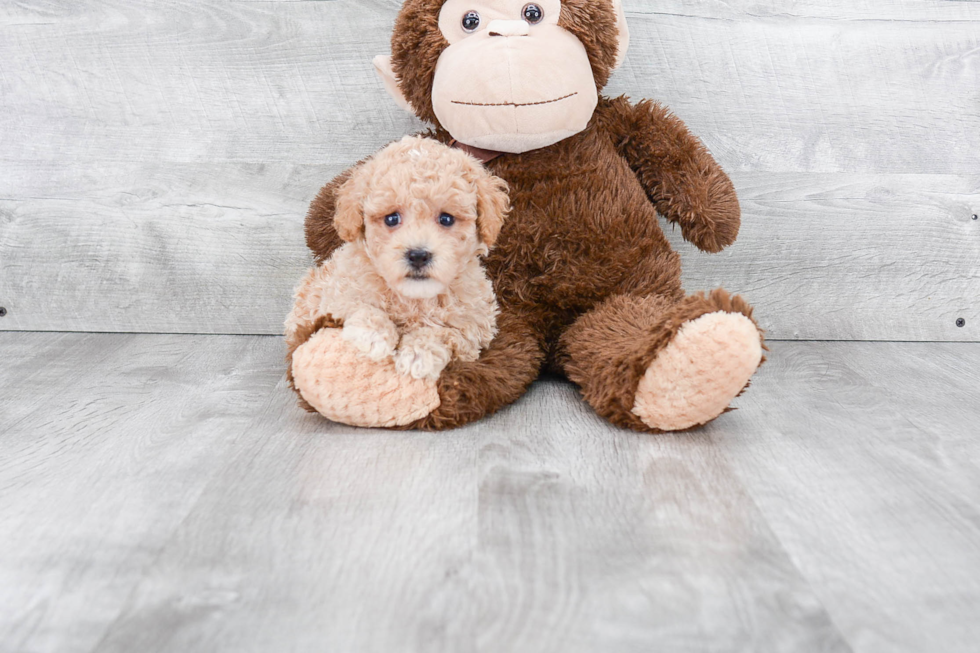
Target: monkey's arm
(679,175)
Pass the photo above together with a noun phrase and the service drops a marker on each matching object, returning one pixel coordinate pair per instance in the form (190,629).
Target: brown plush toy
(588,285)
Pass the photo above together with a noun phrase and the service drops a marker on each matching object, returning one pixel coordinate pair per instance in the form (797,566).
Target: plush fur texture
(388,309)
(692,380)
(586,281)
(325,363)
(609,350)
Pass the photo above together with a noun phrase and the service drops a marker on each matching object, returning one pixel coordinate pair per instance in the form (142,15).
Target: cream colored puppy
(408,283)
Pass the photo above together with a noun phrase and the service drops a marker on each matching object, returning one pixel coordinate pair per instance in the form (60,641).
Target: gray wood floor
(164,493)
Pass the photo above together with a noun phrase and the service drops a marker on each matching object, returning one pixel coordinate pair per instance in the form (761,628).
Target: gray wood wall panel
(164,493)
(156,158)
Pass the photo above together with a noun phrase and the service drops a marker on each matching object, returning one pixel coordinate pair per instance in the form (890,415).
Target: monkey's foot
(349,388)
(695,377)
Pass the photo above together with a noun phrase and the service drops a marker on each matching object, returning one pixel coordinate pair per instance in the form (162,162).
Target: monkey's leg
(471,390)
(335,381)
(650,363)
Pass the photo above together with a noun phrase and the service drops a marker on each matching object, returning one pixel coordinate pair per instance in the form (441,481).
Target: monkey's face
(511,79)
(505,75)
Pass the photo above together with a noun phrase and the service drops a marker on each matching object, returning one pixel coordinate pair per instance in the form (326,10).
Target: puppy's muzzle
(418,259)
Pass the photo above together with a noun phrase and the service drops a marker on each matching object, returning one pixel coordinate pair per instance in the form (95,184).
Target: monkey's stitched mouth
(514,104)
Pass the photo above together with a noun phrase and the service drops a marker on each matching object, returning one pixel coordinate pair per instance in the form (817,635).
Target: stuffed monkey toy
(587,283)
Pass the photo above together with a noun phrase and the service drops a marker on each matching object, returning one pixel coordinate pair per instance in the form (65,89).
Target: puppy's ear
(348,218)
(492,206)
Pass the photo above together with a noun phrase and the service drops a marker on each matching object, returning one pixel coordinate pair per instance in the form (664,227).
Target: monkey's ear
(348,217)
(624,33)
(382,65)
(492,206)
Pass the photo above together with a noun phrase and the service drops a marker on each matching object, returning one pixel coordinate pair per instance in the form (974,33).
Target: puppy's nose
(418,258)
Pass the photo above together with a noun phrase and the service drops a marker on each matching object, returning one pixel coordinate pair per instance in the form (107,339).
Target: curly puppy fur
(423,317)
(588,284)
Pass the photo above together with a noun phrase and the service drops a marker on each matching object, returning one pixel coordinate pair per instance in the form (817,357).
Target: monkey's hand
(371,332)
(679,175)
(424,353)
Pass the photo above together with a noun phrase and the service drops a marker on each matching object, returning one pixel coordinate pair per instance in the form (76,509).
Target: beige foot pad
(695,378)
(346,387)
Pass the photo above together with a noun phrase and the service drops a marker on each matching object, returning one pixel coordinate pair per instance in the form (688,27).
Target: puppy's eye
(447,220)
(471,21)
(393,220)
(533,13)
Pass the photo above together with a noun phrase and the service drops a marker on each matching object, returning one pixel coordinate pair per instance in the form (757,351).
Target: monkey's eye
(533,13)
(447,220)
(393,220)
(471,21)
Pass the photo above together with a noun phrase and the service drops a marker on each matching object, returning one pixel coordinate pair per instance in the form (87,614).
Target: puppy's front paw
(376,344)
(421,360)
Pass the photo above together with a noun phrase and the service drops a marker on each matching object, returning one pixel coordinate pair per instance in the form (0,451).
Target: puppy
(408,283)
